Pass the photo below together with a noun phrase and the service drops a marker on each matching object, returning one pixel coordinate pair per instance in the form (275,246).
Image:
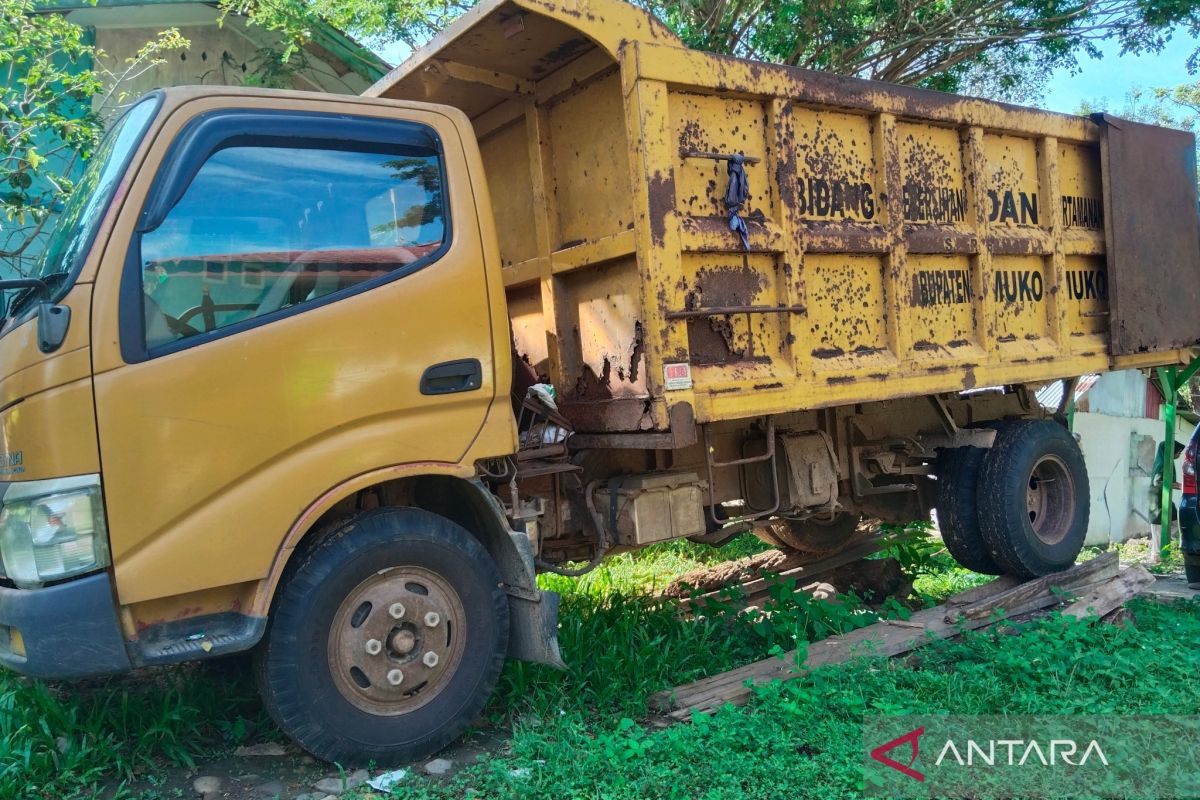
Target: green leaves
(57,97)
(1004,48)
(409,21)
(45,117)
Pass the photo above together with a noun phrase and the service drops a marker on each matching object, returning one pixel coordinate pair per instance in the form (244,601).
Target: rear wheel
(1033,498)
(957,512)
(386,639)
(813,535)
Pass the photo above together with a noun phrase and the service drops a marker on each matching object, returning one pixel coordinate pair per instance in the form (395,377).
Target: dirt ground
(269,771)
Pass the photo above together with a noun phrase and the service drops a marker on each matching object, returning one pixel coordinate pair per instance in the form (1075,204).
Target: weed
(803,738)
(579,732)
(1137,551)
(936,575)
(59,740)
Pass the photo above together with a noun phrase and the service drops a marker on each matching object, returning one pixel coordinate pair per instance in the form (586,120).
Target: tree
(998,45)
(379,21)
(53,109)
(999,48)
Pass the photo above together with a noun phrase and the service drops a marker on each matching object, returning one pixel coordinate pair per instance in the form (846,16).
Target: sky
(1111,77)
(1102,82)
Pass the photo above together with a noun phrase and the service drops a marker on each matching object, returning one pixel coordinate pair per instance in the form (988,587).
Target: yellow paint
(903,243)
(214,456)
(935,240)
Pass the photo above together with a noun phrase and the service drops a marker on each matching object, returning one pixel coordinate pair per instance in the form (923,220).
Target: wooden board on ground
(1096,586)
(804,568)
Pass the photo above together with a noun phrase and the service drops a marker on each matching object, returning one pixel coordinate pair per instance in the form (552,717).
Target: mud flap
(533,629)
(532,614)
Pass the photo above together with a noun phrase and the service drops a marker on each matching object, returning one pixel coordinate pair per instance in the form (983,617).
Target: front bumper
(67,631)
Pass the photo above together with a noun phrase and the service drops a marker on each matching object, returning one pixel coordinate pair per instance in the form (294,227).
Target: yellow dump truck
(333,378)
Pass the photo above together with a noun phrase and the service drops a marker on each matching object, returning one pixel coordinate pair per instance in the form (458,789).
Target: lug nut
(430,659)
(432,619)
(374,647)
(395,677)
(396,610)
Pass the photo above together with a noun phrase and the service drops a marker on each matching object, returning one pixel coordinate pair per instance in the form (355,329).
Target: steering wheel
(175,325)
(178,326)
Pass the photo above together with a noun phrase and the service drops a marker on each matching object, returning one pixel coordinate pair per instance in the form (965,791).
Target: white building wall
(1119,453)
(1119,394)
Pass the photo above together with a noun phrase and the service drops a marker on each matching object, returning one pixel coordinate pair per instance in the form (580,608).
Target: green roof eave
(359,59)
(74,5)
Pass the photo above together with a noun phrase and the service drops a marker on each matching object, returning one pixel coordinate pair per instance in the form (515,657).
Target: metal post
(1171,380)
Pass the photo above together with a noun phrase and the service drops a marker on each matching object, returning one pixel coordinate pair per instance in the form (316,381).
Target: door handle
(452,376)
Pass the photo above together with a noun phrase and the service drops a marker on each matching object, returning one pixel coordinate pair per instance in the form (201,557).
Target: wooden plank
(1108,597)
(813,570)
(969,597)
(883,639)
(1103,566)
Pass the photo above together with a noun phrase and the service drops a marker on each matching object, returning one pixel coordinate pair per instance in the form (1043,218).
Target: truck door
(303,300)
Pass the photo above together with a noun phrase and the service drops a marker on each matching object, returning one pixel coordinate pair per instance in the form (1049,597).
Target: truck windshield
(77,224)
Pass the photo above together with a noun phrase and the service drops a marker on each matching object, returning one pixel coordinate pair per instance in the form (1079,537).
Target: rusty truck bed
(901,242)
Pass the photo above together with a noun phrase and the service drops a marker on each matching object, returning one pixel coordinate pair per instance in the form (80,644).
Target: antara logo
(910,738)
(990,752)
(1018,752)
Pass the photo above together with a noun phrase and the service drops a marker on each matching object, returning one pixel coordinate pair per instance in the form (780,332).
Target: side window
(265,228)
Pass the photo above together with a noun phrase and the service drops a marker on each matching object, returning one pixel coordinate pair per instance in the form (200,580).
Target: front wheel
(386,639)
(1033,498)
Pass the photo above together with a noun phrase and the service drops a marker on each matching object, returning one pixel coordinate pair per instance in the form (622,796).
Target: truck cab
(255,305)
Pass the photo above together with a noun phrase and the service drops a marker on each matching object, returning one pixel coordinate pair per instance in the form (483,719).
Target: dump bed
(899,241)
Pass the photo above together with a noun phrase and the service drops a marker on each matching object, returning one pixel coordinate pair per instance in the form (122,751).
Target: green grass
(803,738)
(581,732)
(62,740)
(622,643)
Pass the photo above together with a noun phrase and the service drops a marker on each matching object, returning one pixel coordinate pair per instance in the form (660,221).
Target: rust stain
(568,50)
(639,349)
(590,386)
(662,203)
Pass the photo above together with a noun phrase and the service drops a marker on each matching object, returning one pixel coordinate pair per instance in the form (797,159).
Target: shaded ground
(1172,587)
(286,773)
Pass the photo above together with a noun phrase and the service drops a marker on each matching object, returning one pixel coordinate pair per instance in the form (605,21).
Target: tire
(1191,568)
(1033,498)
(957,512)
(336,624)
(811,535)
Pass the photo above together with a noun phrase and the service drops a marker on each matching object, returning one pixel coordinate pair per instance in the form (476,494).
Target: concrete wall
(1119,452)
(1118,394)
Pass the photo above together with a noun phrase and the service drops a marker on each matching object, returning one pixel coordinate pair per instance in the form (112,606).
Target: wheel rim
(1050,499)
(395,640)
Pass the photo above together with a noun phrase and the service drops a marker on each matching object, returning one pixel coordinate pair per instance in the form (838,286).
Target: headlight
(53,529)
